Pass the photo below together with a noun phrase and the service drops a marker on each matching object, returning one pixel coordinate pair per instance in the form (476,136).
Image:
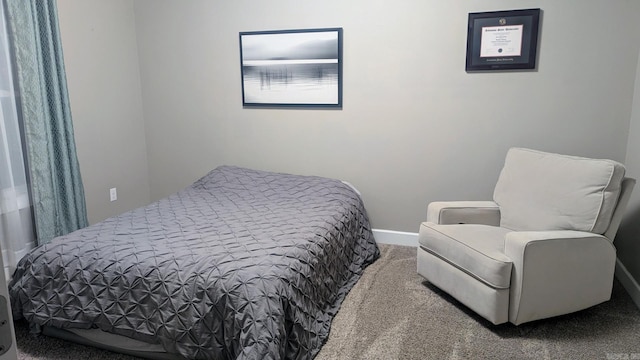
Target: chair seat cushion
(477,250)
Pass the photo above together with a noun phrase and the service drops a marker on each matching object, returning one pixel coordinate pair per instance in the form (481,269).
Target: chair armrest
(557,272)
(464,212)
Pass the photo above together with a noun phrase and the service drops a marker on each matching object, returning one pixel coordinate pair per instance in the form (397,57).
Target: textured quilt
(242,264)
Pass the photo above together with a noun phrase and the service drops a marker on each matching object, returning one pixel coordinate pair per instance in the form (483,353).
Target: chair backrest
(616,219)
(545,191)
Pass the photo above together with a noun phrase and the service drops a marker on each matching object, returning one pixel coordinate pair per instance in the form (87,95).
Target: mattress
(242,264)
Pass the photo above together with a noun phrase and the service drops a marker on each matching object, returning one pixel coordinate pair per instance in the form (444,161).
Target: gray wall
(101,59)
(628,239)
(415,127)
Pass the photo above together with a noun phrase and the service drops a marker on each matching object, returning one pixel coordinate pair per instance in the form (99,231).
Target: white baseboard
(395,237)
(628,282)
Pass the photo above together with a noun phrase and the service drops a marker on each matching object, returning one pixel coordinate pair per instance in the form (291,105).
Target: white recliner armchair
(543,247)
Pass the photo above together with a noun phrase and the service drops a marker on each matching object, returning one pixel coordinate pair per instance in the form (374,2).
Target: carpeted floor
(392,313)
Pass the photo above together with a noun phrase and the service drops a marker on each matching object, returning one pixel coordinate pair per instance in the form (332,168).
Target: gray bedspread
(242,264)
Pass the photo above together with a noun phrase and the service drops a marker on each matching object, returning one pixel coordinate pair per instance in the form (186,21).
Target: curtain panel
(56,185)
(16,222)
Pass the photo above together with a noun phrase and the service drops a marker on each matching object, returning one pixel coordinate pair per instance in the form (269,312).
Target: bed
(242,264)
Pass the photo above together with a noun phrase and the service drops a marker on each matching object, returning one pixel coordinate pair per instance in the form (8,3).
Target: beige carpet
(392,313)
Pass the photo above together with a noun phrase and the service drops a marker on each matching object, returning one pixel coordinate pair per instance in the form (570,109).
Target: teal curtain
(56,185)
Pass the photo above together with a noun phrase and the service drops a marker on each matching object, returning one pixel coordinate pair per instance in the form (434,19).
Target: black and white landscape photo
(293,67)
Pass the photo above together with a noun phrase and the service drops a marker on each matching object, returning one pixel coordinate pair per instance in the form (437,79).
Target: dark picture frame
(502,40)
(292,68)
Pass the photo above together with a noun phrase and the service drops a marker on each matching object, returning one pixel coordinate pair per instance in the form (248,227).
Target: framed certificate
(502,40)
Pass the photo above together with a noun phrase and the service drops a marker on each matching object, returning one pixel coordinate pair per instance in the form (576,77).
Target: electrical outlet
(113,194)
